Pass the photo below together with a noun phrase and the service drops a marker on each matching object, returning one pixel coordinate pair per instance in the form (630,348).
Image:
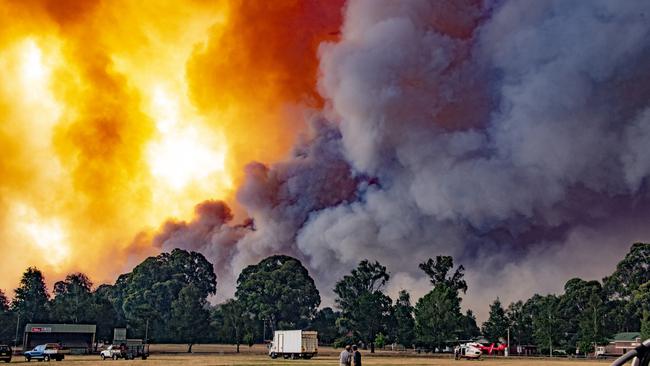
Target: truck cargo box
(294,344)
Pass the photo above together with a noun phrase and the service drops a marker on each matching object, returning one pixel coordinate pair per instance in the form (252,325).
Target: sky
(513,135)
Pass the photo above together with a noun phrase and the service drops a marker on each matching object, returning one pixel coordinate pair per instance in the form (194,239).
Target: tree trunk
(372,347)
(237,346)
(273,324)
(189,349)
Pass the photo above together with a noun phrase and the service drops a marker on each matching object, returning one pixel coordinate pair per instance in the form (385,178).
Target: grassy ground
(223,355)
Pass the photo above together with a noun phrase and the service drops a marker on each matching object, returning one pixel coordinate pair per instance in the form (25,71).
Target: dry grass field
(223,355)
(250,360)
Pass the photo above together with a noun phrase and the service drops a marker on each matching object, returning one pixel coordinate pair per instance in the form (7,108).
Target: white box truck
(294,344)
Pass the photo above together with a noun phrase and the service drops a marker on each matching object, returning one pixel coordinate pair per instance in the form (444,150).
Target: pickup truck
(112,351)
(127,351)
(45,352)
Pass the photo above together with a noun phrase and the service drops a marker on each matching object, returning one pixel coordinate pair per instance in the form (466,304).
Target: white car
(113,351)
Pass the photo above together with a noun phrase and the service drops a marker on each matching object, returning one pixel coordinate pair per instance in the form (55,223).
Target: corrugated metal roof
(626,336)
(60,328)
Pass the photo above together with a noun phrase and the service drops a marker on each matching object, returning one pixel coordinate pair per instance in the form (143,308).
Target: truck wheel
(274,355)
(295,356)
(115,357)
(46,358)
(286,356)
(28,358)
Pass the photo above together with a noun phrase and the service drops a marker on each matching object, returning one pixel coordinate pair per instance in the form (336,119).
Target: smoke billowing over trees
(168,295)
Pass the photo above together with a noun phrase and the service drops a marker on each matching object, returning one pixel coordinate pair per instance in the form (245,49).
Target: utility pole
(507,353)
(17,328)
(550,337)
(146,333)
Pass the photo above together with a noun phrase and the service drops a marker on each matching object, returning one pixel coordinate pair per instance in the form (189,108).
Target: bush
(380,340)
(343,341)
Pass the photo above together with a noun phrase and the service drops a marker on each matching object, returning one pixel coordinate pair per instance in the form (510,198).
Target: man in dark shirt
(356,357)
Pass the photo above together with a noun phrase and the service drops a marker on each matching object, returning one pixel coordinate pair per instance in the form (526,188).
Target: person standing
(345,358)
(356,356)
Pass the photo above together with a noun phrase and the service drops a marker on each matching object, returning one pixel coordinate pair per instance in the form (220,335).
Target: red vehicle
(492,348)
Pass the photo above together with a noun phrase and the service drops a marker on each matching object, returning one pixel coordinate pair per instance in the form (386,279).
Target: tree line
(587,313)
(165,299)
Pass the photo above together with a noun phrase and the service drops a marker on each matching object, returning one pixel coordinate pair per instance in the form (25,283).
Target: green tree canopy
(439,273)
(325,324)
(641,301)
(72,301)
(548,325)
(190,317)
(404,318)
(236,320)
(366,278)
(623,310)
(632,272)
(469,328)
(31,300)
(582,310)
(438,317)
(106,316)
(280,291)
(365,308)
(7,320)
(520,317)
(4,302)
(146,294)
(497,324)
(645,325)
(591,327)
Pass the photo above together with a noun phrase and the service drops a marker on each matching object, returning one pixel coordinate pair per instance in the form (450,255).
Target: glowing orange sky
(116,115)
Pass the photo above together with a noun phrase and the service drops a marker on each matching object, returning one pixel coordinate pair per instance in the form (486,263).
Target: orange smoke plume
(116,115)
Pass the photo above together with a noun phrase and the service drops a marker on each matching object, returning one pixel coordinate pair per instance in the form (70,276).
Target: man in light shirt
(346,357)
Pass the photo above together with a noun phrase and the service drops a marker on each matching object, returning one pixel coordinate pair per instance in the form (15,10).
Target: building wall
(620,347)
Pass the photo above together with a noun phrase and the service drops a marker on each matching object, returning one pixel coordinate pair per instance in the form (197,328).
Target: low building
(78,338)
(622,343)
(523,350)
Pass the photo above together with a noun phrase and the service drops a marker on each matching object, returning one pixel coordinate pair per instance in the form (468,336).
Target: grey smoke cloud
(513,135)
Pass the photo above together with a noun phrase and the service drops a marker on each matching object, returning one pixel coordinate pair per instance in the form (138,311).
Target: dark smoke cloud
(279,200)
(512,135)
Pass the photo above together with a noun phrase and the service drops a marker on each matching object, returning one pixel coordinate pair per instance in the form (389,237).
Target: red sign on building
(41,329)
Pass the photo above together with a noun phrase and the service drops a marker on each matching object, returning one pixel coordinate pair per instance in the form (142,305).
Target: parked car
(5,353)
(45,352)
